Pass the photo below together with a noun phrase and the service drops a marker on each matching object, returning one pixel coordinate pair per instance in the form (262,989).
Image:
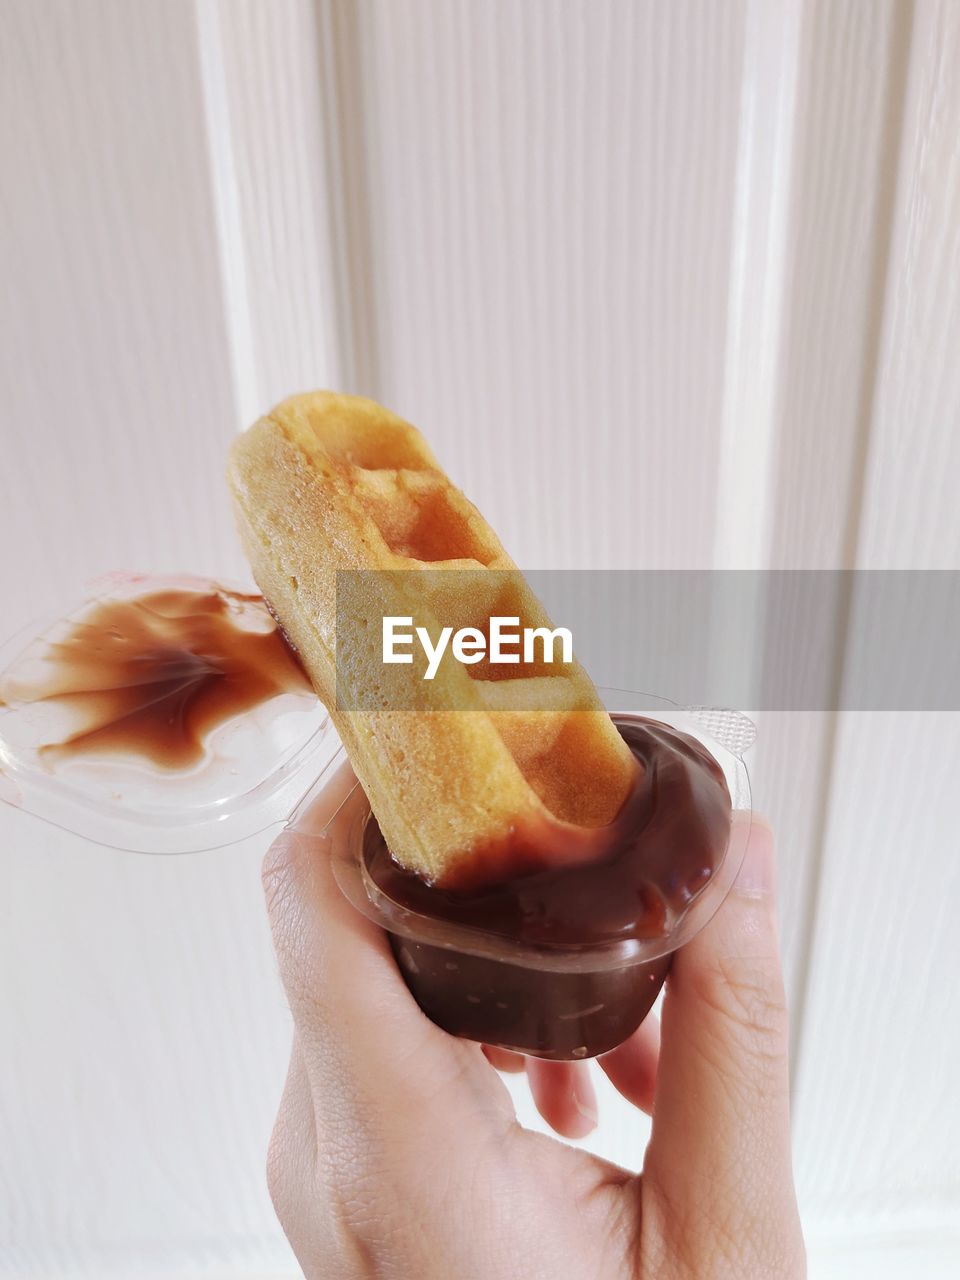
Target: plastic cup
(558,1002)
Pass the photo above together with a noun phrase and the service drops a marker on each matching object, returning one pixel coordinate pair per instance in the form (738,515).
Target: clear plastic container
(559,1002)
(265,768)
(253,770)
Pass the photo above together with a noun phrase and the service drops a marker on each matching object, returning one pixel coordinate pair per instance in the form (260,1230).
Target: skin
(397,1152)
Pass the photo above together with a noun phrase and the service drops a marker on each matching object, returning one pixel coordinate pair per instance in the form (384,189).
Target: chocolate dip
(658,855)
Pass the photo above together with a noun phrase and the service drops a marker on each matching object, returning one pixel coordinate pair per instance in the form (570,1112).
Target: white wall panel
(667,286)
(876,1112)
(144,1035)
(831,178)
(115,364)
(911,513)
(145,1045)
(546,288)
(850,101)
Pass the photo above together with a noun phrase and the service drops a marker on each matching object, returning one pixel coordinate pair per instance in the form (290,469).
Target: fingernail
(587,1108)
(757,876)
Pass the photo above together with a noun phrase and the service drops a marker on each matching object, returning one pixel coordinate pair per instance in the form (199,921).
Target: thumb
(719,1156)
(369,1055)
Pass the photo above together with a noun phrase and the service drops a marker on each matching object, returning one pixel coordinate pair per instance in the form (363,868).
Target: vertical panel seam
(900,41)
(225,199)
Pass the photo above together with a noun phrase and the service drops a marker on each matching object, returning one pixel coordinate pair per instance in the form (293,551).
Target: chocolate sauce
(153,675)
(655,858)
(549,1013)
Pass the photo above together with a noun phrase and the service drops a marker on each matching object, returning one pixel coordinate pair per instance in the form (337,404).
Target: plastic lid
(250,769)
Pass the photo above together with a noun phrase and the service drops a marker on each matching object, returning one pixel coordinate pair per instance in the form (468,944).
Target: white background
(665,285)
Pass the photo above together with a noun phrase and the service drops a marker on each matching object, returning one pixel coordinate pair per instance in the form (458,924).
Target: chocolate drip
(153,675)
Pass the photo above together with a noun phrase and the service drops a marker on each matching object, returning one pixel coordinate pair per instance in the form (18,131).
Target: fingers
(632,1066)
(564,1095)
(562,1091)
(504,1059)
(720,1149)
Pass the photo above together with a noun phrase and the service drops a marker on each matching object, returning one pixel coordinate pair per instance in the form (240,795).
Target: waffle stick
(327,483)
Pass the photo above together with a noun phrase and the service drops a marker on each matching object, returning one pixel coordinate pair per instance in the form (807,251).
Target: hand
(396,1151)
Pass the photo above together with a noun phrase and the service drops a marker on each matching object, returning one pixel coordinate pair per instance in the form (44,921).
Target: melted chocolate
(153,675)
(653,860)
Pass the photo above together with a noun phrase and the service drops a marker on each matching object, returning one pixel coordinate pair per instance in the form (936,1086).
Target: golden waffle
(328,482)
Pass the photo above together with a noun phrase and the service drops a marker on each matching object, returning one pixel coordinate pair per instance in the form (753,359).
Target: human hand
(397,1152)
